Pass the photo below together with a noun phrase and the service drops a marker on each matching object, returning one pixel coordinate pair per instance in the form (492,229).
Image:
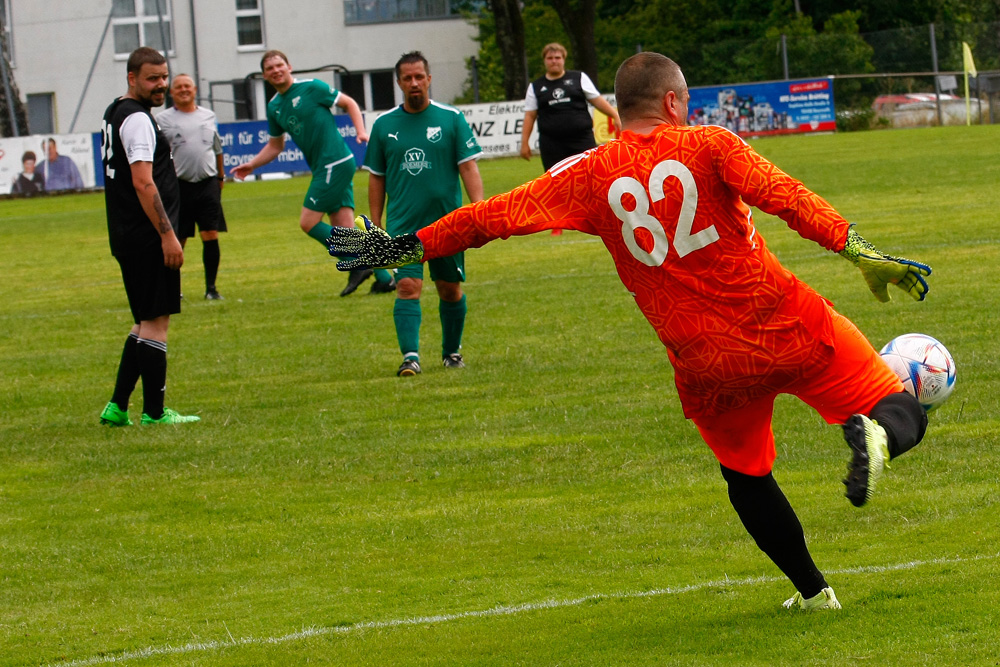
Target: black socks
(210,256)
(152,358)
(903,419)
(128,373)
(773,525)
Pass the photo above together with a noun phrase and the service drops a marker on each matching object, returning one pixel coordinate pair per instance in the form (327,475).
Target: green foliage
(854,120)
(541,26)
(547,505)
(740,40)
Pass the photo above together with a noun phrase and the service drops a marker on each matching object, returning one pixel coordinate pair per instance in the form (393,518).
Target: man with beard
(301,108)
(141,198)
(416,155)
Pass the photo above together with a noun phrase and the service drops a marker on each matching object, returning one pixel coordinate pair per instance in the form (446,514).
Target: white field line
(214,645)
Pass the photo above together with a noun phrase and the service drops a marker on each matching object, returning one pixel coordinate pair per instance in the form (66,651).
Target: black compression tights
(772,523)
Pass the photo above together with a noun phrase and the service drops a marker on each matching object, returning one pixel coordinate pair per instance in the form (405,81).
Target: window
(243,99)
(373,91)
(41,116)
(353,84)
(383,86)
(249,25)
(141,23)
(390,11)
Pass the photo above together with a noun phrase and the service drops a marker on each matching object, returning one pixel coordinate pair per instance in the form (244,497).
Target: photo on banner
(46,163)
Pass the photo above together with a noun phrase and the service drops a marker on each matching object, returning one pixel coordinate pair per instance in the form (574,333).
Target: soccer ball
(924,366)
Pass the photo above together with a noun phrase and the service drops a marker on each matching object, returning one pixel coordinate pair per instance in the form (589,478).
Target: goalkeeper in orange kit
(671,204)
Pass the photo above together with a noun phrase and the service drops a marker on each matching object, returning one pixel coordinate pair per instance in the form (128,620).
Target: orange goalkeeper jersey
(671,208)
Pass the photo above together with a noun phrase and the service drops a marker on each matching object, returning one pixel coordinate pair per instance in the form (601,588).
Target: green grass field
(548,505)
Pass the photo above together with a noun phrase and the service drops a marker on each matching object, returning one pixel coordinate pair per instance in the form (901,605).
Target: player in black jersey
(558,100)
(141,198)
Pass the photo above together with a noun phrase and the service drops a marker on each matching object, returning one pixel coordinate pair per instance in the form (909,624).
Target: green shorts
(449,269)
(332,187)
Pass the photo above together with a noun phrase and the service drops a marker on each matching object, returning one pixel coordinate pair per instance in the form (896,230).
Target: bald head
(642,82)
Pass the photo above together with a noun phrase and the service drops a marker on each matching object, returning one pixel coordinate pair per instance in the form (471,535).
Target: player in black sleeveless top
(141,198)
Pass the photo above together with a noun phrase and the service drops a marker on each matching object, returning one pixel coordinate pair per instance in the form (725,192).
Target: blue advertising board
(241,141)
(759,109)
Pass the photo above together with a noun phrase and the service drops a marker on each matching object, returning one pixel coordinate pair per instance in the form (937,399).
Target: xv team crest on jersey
(414,160)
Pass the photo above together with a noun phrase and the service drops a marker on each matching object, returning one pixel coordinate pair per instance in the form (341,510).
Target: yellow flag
(970,66)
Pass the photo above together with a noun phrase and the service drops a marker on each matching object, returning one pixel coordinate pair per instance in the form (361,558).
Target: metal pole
(90,74)
(475,79)
(937,86)
(163,36)
(194,48)
(784,54)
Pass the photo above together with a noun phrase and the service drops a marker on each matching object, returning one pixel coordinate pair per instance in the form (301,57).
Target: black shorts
(201,203)
(555,150)
(153,290)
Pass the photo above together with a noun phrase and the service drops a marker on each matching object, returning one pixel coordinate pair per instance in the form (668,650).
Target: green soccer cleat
(170,417)
(114,416)
(825,599)
(870,455)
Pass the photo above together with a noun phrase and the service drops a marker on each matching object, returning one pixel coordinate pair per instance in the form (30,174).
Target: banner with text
(761,109)
(243,140)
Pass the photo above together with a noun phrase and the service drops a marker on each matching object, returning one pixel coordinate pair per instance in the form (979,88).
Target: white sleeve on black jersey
(589,89)
(138,137)
(530,101)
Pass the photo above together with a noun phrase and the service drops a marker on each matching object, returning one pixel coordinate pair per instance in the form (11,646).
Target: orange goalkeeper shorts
(854,382)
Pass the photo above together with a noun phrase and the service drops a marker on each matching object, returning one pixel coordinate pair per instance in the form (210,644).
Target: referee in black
(193,134)
(141,197)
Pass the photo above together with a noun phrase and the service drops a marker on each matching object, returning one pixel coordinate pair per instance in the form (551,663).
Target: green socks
(320,232)
(406,315)
(452,323)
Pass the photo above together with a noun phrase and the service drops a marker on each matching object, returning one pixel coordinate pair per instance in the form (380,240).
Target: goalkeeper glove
(367,246)
(880,269)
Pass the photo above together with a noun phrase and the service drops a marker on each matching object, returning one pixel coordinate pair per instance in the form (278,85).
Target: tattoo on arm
(164,225)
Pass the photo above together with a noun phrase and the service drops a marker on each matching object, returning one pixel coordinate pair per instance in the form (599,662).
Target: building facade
(69,56)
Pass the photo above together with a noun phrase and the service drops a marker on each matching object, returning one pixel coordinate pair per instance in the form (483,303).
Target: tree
(509,34)
(578,18)
(13,118)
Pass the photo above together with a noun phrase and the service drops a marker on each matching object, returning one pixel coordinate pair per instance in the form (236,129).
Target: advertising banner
(43,163)
(761,109)
(73,161)
(242,140)
(495,125)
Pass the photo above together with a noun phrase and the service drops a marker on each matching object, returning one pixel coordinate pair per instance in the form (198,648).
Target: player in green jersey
(416,155)
(301,108)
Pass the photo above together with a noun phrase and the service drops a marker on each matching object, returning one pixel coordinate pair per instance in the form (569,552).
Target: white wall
(55,42)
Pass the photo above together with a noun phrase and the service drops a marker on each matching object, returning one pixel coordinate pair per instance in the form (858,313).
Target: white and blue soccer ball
(924,366)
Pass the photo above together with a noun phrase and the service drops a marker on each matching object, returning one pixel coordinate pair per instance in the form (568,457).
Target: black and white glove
(368,246)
